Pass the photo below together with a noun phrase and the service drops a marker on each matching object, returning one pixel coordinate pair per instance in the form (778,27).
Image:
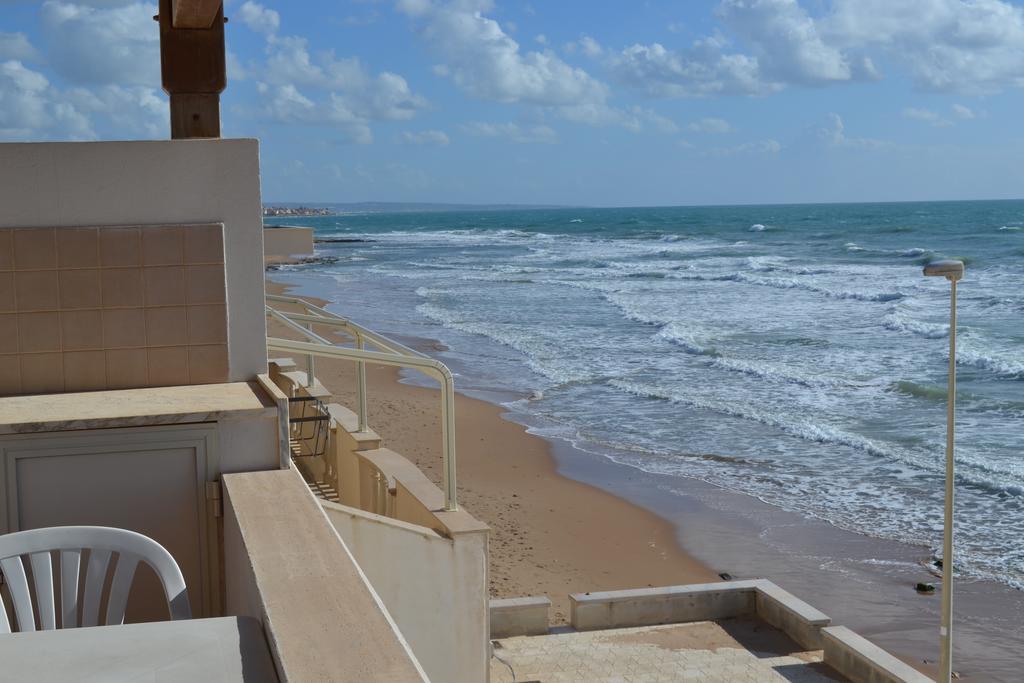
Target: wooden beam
(194,13)
(193,71)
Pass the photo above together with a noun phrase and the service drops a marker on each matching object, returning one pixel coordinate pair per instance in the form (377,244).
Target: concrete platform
(740,650)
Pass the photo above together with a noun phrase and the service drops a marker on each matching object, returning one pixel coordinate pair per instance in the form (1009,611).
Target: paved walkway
(726,651)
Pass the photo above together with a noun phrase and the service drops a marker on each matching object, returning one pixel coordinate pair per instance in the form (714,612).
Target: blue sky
(562,102)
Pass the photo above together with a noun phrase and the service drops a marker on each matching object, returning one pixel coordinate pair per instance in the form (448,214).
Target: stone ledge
(785,611)
(700,602)
(519,616)
(348,423)
(862,661)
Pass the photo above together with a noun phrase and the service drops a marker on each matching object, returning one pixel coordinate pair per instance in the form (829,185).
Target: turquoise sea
(792,353)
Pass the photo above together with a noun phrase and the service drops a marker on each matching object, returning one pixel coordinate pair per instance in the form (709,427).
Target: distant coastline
(273,211)
(285,209)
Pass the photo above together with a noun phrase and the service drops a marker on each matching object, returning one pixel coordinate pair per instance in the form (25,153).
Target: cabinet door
(148,479)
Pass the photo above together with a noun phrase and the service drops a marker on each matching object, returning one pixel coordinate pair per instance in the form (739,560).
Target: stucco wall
(70,184)
(434,587)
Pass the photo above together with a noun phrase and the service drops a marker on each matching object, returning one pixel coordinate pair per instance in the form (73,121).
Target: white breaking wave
(793,426)
(788,283)
(686,337)
(970,352)
(777,373)
(898,322)
(757,227)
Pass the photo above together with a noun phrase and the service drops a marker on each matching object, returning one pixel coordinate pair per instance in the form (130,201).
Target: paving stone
(653,654)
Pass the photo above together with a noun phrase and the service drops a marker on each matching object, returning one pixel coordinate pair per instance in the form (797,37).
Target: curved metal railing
(390,353)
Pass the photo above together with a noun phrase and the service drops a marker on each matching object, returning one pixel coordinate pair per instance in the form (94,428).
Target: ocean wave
(898,322)
(926,391)
(1013,228)
(802,429)
(539,355)
(771,264)
(976,473)
(757,227)
(776,373)
(971,353)
(789,283)
(685,337)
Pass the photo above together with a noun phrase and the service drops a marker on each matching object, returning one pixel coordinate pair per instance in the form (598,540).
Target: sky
(570,102)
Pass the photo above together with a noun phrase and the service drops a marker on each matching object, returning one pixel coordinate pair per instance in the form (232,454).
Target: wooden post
(193,68)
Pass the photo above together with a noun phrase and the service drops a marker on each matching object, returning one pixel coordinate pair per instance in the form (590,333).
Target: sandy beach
(551,535)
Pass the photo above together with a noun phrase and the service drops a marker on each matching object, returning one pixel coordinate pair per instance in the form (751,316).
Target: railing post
(310,363)
(448,440)
(361,387)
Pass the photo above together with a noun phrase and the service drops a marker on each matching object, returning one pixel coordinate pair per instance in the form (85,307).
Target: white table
(221,649)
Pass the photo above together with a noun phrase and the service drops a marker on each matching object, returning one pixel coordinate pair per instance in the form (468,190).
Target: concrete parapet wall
(434,586)
(667,605)
(862,661)
(700,602)
(285,243)
(286,565)
(790,614)
(519,616)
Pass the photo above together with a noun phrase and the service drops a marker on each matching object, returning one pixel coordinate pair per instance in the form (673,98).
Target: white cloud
(962,112)
(285,104)
(24,99)
(788,43)
(338,92)
(662,123)
(414,8)
(17,46)
(258,18)
(540,39)
(927,116)
(488,64)
(131,111)
(833,134)
(33,108)
(946,45)
(512,131)
(424,137)
(768,146)
(590,47)
(102,45)
(701,70)
(710,125)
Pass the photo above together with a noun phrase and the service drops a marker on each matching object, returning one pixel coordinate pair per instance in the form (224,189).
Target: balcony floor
(737,650)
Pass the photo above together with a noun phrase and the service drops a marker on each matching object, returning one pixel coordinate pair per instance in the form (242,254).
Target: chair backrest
(70,541)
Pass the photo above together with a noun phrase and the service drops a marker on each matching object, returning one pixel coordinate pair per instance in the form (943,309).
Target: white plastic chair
(101,542)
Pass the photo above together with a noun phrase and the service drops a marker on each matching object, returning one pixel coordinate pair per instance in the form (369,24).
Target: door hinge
(213,494)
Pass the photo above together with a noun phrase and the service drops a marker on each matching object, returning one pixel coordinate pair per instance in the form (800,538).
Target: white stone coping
(133,407)
(860,660)
(792,603)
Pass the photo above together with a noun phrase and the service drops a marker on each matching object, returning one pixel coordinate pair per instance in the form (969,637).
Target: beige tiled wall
(111,307)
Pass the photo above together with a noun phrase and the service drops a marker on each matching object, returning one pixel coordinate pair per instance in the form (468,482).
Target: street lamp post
(952,271)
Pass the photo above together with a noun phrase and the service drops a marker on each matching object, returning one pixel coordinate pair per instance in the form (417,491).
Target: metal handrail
(393,354)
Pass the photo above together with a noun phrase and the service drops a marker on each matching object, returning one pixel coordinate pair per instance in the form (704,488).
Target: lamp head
(950,269)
